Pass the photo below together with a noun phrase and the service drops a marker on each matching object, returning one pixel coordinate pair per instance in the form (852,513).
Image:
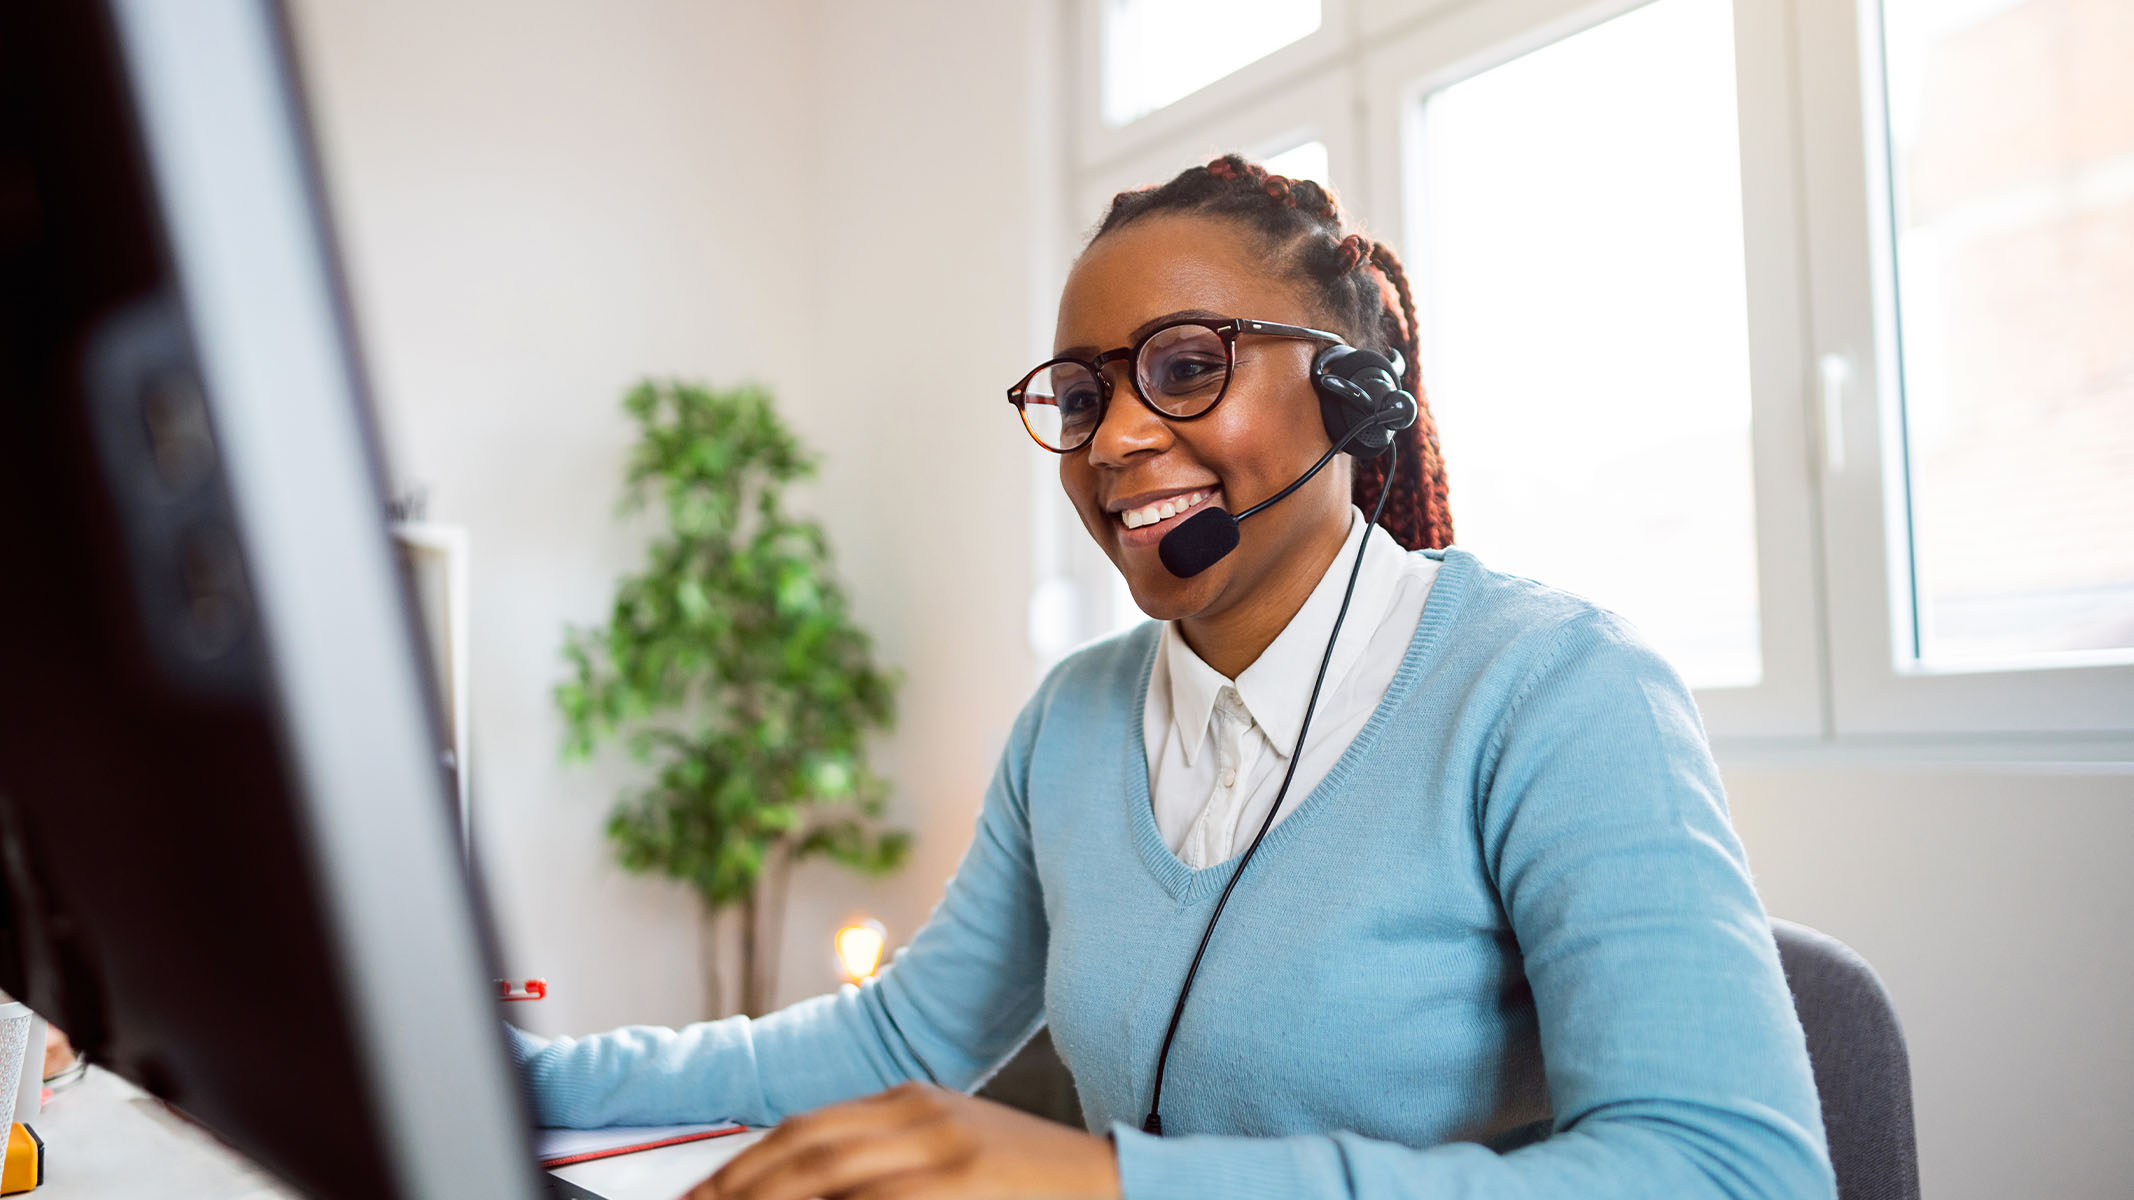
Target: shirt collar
(1277,685)
(1194,685)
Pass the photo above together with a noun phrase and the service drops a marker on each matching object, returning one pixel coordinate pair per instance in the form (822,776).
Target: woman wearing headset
(1497,937)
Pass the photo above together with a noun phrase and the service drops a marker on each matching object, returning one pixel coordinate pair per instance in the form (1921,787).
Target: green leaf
(690,598)
(736,632)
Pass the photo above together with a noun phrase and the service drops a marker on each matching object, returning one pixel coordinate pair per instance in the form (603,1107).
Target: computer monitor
(231,865)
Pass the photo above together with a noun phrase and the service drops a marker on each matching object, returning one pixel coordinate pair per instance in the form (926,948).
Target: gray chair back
(1862,1073)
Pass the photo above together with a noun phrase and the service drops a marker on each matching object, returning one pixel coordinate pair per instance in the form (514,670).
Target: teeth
(1163,510)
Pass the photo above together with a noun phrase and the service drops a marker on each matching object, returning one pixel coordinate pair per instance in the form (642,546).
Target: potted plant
(732,670)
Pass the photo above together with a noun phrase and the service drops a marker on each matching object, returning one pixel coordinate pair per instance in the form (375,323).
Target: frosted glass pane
(2012,154)
(1305,161)
(1158,51)
(1586,329)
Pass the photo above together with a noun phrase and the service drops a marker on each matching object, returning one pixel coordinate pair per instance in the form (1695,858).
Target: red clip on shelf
(532,989)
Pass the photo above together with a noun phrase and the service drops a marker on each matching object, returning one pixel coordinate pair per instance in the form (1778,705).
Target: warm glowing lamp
(859,948)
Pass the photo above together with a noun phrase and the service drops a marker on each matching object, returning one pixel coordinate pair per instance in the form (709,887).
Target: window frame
(1465,42)
(1875,688)
(1316,109)
(1096,143)
(1832,552)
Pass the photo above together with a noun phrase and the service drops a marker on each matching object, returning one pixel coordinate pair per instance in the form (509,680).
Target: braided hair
(1301,222)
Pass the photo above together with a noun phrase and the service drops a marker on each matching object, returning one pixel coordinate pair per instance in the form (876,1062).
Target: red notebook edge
(570,1160)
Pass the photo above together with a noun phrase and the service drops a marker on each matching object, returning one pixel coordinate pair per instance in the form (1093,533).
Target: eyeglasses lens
(1062,404)
(1183,370)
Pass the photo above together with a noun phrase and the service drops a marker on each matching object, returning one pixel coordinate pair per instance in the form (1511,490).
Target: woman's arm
(955,1003)
(1675,1063)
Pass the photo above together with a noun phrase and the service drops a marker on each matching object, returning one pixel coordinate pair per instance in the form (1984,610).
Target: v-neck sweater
(1508,946)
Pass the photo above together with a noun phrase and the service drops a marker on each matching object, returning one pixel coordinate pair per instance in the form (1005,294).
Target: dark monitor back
(229,852)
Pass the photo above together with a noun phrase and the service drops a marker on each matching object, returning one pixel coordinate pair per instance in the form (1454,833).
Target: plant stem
(708,947)
(778,871)
(751,966)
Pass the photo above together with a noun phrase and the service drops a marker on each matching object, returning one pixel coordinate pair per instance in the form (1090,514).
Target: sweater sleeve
(951,1006)
(1675,1063)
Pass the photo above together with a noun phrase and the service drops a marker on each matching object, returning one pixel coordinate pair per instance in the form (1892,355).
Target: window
(1586,343)
(1796,331)
(1305,160)
(1970,279)
(2011,140)
(1156,51)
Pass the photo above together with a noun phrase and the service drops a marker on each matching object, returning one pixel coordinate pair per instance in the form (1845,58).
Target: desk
(106,1139)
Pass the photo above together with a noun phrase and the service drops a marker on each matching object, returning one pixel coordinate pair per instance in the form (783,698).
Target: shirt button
(1229,778)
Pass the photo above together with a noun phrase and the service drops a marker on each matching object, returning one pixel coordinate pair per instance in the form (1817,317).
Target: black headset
(1359,387)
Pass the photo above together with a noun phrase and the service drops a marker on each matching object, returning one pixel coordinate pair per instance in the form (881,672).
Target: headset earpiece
(1362,387)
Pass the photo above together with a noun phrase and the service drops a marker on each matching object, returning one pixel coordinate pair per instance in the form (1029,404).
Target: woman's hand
(918,1142)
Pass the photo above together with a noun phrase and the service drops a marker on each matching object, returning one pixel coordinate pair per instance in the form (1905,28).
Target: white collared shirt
(1217,747)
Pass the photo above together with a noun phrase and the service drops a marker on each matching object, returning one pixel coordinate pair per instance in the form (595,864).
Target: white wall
(1996,904)
(929,214)
(542,201)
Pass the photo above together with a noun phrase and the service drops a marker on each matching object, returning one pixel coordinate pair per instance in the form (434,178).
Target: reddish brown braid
(1301,221)
(1419,488)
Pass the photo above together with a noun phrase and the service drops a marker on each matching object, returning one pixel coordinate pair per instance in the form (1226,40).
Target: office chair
(1037,1082)
(1862,1072)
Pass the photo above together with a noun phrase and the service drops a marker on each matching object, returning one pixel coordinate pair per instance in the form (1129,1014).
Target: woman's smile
(1143,520)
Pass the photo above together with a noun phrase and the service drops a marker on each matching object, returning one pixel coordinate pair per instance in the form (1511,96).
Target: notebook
(563,1147)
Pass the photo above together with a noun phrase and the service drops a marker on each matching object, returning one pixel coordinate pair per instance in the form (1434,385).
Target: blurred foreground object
(24,1168)
(229,864)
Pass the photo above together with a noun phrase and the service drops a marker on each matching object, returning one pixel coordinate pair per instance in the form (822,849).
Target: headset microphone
(1348,380)
(1199,542)
(1203,539)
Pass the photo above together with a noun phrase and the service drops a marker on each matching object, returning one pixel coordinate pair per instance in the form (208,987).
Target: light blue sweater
(1509,947)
